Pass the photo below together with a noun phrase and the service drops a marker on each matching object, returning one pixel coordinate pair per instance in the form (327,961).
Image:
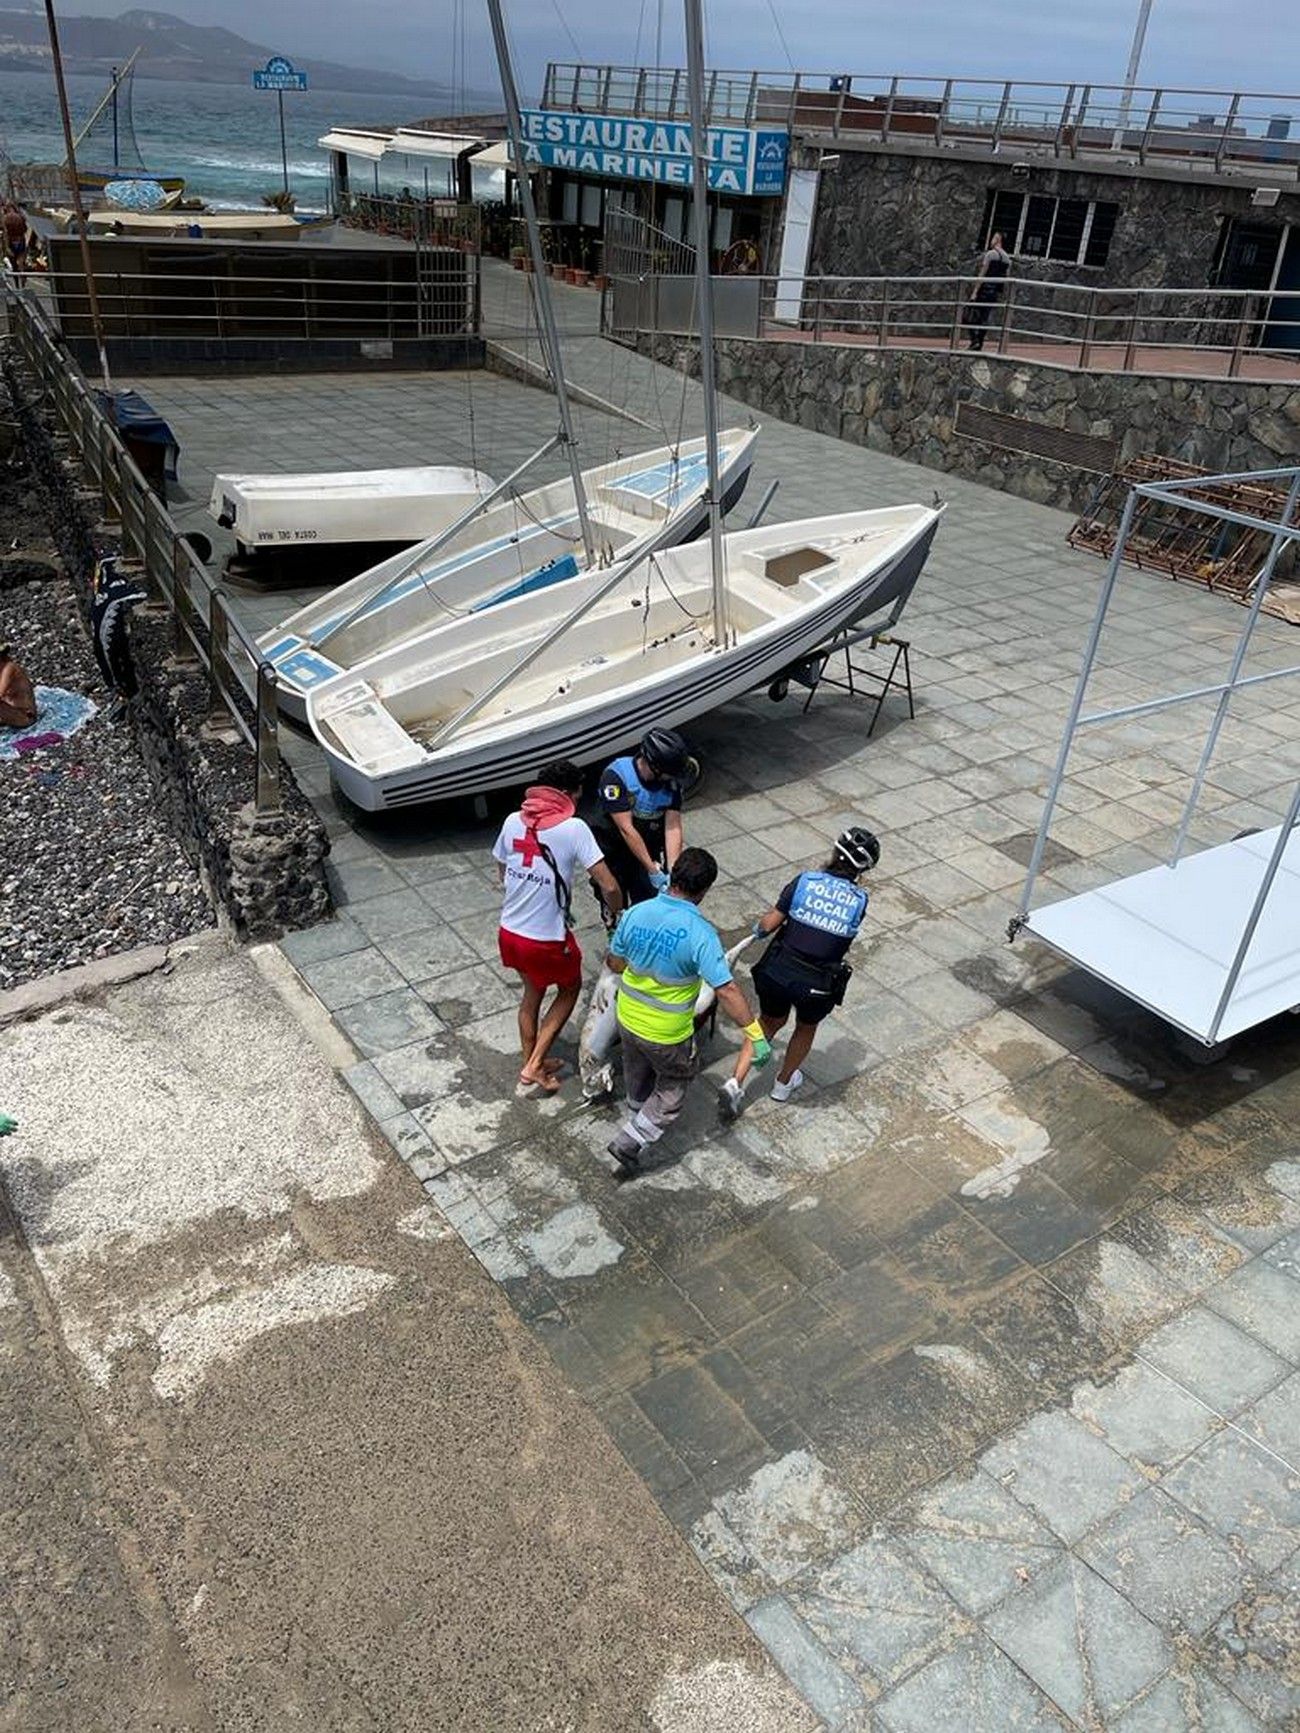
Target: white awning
(367,144)
(498,155)
(447,145)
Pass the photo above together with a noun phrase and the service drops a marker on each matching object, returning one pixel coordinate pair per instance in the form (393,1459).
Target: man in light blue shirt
(662,951)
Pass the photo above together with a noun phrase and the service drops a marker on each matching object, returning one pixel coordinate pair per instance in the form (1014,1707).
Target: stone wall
(905,402)
(266,873)
(895,215)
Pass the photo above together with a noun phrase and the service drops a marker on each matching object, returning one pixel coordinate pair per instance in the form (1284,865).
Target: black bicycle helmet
(665,752)
(858,847)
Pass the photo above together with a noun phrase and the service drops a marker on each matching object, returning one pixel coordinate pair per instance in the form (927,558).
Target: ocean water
(224,138)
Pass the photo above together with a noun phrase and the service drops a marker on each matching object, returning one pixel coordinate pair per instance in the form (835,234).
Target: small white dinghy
(479,702)
(526,543)
(351,505)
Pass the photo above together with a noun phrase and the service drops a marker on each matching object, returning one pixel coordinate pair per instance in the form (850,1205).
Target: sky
(1190,43)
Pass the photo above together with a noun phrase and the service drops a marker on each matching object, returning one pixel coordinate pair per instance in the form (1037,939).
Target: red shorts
(543,963)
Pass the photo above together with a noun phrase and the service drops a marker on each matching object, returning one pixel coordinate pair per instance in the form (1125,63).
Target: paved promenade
(972,1377)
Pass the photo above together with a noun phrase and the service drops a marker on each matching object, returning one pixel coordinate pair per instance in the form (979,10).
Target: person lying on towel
(17,699)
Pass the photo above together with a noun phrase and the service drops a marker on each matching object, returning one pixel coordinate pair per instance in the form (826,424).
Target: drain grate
(1016,433)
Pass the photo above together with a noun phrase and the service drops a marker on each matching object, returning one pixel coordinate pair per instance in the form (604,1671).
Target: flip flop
(547,1085)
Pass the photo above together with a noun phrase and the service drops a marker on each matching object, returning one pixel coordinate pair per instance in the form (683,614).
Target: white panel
(1167,937)
(796,240)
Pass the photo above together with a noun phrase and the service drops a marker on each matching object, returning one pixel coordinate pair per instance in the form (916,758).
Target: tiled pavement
(973,1377)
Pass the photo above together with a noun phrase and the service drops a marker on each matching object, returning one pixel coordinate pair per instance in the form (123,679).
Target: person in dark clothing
(15,235)
(112,595)
(990,282)
(815,920)
(640,823)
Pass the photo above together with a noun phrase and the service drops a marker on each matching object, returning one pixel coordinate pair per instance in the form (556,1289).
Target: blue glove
(659,881)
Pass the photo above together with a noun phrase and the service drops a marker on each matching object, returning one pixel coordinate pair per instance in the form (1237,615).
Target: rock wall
(895,215)
(905,402)
(266,873)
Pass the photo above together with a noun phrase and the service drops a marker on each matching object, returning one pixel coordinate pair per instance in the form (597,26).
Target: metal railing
(1200,129)
(1231,333)
(205,631)
(436,295)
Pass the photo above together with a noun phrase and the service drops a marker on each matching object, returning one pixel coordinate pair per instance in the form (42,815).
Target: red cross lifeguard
(528,846)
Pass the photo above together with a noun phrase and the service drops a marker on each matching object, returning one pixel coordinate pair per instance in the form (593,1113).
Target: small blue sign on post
(278,75)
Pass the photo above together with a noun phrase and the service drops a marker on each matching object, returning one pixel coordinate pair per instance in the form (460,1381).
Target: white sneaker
(783,1091)
(731,1098)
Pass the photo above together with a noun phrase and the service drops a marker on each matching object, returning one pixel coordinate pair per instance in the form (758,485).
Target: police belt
(785,967)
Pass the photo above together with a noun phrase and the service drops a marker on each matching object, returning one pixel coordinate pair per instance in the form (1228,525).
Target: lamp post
(1134,61)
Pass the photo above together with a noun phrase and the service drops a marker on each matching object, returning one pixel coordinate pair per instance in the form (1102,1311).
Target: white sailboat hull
(638,658)
(361,505)
(531,542)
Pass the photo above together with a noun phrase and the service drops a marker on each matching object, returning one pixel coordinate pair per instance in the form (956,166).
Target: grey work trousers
(656,1077)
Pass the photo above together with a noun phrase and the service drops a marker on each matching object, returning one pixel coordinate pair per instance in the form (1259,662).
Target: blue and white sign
(742,159)
(278,74)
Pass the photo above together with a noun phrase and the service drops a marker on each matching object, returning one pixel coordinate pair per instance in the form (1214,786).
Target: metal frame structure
(1160,936)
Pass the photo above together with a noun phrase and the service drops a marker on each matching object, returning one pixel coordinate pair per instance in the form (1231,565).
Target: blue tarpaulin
(136,419)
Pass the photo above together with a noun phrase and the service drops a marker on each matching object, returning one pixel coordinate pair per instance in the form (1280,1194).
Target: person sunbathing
(17,699)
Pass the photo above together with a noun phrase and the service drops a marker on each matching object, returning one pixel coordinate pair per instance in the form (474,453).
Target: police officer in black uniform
(640,823)
(815,920)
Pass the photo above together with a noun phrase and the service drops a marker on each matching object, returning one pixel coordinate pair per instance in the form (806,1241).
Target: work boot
(731,1099)
(627,1153)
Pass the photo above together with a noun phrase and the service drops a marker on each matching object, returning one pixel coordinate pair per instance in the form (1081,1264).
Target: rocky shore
(88,868)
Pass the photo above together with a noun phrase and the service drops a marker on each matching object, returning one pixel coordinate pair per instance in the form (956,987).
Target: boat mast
(110,95)
(704,300)
(541,286)
(78,209)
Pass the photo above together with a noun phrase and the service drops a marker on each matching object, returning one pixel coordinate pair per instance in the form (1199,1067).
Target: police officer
(815,920)
(640,825)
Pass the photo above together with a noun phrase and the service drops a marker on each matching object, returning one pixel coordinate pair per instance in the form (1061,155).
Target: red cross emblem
(528,846)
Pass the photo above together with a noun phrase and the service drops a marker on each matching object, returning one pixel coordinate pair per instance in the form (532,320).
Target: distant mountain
(203,54)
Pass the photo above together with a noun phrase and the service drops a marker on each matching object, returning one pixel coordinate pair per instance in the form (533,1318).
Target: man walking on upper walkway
(663,951)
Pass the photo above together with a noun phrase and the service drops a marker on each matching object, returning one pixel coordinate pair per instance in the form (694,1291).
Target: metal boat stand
(859,679)
(1209,941)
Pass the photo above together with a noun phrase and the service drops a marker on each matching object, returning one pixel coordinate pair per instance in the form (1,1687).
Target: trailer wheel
(201,545)
(779,689)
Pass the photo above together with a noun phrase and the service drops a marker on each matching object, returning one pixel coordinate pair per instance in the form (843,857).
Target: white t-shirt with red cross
(531,908)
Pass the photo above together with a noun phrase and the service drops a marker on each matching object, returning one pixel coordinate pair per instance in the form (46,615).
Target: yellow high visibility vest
(662,1011)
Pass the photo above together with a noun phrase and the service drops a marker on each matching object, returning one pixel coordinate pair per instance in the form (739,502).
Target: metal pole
(79,210)
(1257,909)
(1076,706)
(284,149)
(426,550)
(704,296)
(540,285)
(1280,540)
(1130,75)
(116,151)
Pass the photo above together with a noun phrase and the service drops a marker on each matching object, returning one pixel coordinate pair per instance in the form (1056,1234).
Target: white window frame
(1084,237)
